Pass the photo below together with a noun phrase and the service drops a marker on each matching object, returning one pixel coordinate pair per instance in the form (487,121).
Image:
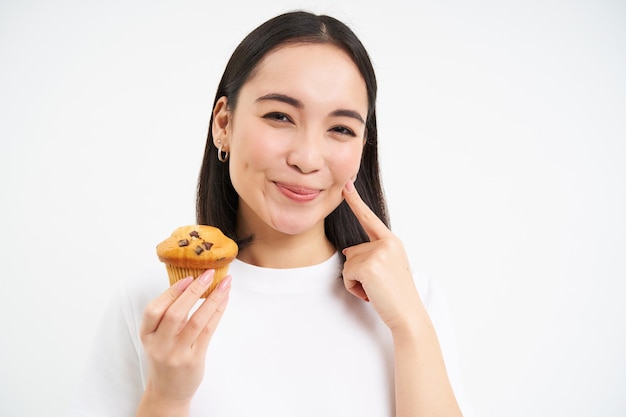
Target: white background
(503,144)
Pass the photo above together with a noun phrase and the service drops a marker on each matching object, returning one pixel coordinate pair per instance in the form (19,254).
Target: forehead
(322,70)
(288,50)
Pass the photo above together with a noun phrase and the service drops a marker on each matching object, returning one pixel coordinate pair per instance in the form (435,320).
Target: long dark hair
(217,201)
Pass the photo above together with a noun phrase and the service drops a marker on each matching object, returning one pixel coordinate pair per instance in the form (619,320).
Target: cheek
(346,162)
(250,150)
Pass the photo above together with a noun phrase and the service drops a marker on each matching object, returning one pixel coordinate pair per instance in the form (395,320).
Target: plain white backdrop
(502,127)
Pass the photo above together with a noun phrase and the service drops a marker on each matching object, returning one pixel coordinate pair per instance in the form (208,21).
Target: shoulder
(435,301)
(137,288)
(427,287)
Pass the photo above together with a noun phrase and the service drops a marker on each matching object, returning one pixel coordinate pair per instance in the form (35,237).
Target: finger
(177,314)
(355,288)
(373,226)
(202,342)
(156,308)
(203,321)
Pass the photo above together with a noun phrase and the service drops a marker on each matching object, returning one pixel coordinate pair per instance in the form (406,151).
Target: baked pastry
(191,250)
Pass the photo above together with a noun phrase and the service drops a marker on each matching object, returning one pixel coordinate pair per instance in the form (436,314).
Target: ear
(221,122)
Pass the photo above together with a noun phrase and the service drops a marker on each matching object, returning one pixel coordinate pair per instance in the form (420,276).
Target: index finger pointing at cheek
(373,226)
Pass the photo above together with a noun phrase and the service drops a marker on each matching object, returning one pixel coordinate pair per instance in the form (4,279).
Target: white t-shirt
(292,342)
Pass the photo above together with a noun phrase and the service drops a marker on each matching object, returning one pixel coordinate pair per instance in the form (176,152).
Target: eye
(343,130)
(276,116)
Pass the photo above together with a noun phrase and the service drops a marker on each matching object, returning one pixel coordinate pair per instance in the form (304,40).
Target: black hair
(217,201)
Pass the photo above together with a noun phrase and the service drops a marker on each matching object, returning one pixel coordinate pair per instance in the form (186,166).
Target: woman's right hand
(176,343)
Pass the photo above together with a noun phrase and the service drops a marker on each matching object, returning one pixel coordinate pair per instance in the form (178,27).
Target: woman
(322,315)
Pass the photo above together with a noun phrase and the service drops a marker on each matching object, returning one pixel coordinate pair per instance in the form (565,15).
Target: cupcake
(191,250)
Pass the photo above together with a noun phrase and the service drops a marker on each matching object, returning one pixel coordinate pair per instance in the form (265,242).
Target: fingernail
(207,276)
(225,284)
(183,283)
(349,186)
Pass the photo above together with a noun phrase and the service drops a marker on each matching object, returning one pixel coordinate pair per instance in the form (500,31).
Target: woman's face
(295,138)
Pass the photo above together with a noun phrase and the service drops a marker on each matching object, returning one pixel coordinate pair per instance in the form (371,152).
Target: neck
(271,249)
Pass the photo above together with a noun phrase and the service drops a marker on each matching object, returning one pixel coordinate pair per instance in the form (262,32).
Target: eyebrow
(282,98)
(348,113)
(299,105)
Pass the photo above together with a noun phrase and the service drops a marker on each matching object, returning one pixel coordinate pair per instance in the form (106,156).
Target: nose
(306,153)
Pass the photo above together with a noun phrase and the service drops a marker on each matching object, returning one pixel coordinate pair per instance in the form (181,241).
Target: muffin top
(197,246)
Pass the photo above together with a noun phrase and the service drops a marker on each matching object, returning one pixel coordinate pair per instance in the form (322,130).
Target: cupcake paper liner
(176,274)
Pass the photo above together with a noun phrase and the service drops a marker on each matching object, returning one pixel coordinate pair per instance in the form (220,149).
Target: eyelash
(343,130)
(279,117)
(282,117)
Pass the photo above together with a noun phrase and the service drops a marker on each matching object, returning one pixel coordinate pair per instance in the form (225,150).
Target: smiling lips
(297,193)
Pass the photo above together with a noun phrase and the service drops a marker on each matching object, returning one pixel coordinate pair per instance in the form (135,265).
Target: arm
(378,271)
(422,385)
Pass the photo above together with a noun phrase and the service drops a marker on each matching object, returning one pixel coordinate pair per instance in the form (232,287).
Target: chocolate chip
(207,245)
(198,250)
(183,242)
(194,234)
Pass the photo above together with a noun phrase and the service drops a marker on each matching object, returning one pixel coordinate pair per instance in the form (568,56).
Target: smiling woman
(321,312)
(295,141)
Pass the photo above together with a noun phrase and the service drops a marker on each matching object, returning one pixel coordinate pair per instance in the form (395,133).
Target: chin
(295,225)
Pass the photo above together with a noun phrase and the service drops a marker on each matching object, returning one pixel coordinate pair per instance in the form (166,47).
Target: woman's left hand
(378,271)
